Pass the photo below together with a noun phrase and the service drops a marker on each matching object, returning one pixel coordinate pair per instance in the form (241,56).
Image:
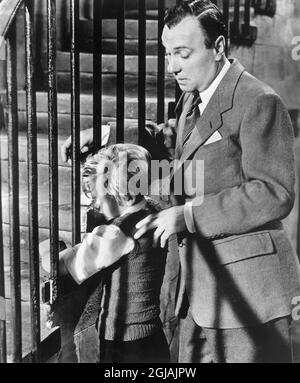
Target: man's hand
(86,139)
(166,222)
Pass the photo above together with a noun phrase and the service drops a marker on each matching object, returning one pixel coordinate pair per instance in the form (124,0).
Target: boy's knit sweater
(130,302)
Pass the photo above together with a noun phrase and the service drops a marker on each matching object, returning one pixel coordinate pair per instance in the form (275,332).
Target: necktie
(191,117)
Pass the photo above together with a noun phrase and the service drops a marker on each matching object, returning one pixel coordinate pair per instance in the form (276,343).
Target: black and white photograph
(150,184)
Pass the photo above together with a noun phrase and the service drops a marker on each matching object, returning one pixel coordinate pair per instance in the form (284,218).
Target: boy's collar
(134,208)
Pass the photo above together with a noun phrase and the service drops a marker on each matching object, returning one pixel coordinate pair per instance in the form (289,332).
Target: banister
(8,10)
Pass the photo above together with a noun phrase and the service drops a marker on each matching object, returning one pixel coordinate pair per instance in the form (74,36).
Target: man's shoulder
(241,90)
(250,87)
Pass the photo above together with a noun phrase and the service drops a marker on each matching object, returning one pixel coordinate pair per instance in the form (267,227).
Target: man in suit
(238,271)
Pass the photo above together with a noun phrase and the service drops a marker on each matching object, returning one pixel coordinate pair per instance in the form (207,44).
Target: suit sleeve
(267,168)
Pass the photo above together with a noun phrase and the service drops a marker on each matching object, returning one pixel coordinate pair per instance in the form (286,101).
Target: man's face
(191,63)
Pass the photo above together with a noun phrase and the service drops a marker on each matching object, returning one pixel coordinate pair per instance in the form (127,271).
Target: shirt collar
(208,93)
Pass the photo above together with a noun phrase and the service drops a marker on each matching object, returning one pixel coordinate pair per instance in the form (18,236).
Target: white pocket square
(216,136)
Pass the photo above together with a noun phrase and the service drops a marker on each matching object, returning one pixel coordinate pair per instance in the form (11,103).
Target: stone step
(25,274)
(109,7)
(109,25)
(109,35)
(63,120)
(86,105)
(109,84)
(64,123)
(109,46)
(109,63)
(64,208)
(151,14)
(130,135)
(109,28)
(44,234)
(64,182)
(42,152)
(64,176)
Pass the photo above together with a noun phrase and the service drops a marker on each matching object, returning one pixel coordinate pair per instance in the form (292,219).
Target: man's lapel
(211,119)
(181,110)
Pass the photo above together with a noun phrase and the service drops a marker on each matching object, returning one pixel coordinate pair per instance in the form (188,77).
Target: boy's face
(105,202)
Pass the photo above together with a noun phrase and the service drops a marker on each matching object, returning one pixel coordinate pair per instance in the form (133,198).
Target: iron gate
(241,32)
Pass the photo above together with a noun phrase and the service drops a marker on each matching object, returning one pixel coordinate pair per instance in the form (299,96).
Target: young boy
(132,271)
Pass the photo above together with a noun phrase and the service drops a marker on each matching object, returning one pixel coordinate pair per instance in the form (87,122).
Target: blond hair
(118,165)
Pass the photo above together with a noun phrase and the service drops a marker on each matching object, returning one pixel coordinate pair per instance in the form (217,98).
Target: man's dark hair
(208,14)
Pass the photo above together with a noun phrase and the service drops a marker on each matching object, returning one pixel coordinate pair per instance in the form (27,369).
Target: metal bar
(236,16)
(32,181)
(160,65)
(226,20)
(3,350)
(142,69)
(97,74)
(13,185)
(247,18)
(53,157)
(75,121)
(258,3)
(120,70)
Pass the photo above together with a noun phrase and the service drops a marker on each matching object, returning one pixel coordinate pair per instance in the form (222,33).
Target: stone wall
(270,57)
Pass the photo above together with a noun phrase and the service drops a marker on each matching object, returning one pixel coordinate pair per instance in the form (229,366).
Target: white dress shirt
(206,95)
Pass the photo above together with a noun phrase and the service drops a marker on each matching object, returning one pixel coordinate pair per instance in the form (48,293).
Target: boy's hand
(86,139)
(86,142)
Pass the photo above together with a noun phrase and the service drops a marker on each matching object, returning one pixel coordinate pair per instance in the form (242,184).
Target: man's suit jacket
(239,268)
